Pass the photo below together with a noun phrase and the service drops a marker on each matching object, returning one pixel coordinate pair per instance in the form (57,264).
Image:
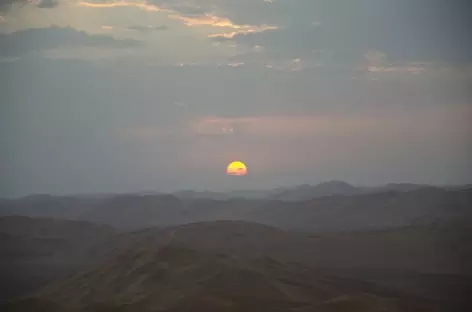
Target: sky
(160,95)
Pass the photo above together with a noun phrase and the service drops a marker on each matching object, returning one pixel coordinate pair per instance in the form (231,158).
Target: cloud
(22,42)
(377,63)
(115,4)
(47,4)
(240,12)
(241,30)
(212,20)
(191,14)
(408,31)
(301,127)
(5,5)
(396,69)
(147,29)
(281,126)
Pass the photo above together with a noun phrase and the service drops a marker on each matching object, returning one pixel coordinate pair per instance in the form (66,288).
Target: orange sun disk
(236,168)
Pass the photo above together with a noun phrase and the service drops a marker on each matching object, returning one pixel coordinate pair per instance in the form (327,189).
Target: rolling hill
(36,251)
(176,278)
(244,266)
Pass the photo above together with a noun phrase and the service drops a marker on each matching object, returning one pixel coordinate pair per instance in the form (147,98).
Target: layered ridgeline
(241,266)
(372,209)
(395,250)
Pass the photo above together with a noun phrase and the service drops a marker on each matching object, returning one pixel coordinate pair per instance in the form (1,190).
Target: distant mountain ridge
(306,192)
(347,208)
(328,188)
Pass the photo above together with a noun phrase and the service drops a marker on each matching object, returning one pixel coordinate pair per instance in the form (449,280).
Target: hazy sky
(109,96)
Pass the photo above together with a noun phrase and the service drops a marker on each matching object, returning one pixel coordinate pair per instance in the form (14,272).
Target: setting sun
(236,168)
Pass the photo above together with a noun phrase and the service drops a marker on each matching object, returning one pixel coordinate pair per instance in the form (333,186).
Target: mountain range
(383,250)
(330,213)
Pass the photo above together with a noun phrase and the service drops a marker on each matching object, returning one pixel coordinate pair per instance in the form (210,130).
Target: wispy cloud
(115,4)
(147,29)
(242,29)
(23,42)
(281,126)
(232,29)
(208,20)
(396,69)
(377,62)
(6,5)
(200,19)
(324,127)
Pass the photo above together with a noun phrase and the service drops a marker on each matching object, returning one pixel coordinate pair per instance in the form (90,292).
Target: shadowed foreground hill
(434,249)
(241,266)
(34,251)
(177,278)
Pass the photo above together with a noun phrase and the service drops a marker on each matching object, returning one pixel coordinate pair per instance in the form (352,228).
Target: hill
(431,249)
(306,192)
(34,252)
(238,265)
(177,278)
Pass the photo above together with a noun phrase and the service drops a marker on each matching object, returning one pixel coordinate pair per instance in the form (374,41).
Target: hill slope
(426,261)
(176,278)
(34,252)
(241,266)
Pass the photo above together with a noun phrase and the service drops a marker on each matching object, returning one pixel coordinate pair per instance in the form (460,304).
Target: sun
(236,168)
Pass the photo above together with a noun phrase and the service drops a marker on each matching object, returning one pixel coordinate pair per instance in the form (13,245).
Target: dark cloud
(405,30)
(185,9)
(5,5)
(148,29)
(242,11)
(48,4)
(36,39)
